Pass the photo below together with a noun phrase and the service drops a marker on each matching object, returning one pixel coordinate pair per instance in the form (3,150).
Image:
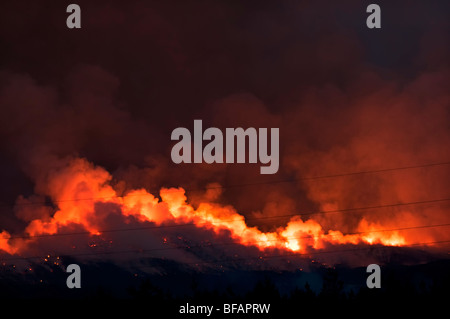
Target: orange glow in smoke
(79,188)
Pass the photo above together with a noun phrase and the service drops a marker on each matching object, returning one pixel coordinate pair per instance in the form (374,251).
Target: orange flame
(80,186)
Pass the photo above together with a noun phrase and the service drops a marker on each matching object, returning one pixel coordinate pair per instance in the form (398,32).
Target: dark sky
(345,98)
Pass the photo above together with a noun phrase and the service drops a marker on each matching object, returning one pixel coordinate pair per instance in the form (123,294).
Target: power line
(314,253)
(249,258)
(344,210)
(363,208)
(225,243)
(333,175)
(242,185)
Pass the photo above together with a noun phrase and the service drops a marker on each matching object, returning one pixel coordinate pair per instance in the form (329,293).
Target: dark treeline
(395,293)
(330,290)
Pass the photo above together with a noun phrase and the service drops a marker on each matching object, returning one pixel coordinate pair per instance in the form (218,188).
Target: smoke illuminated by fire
(86,198)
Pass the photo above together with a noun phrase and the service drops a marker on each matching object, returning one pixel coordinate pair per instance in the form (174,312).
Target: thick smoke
(105,99)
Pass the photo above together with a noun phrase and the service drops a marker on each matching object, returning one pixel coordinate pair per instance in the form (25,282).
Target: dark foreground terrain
(322,290)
